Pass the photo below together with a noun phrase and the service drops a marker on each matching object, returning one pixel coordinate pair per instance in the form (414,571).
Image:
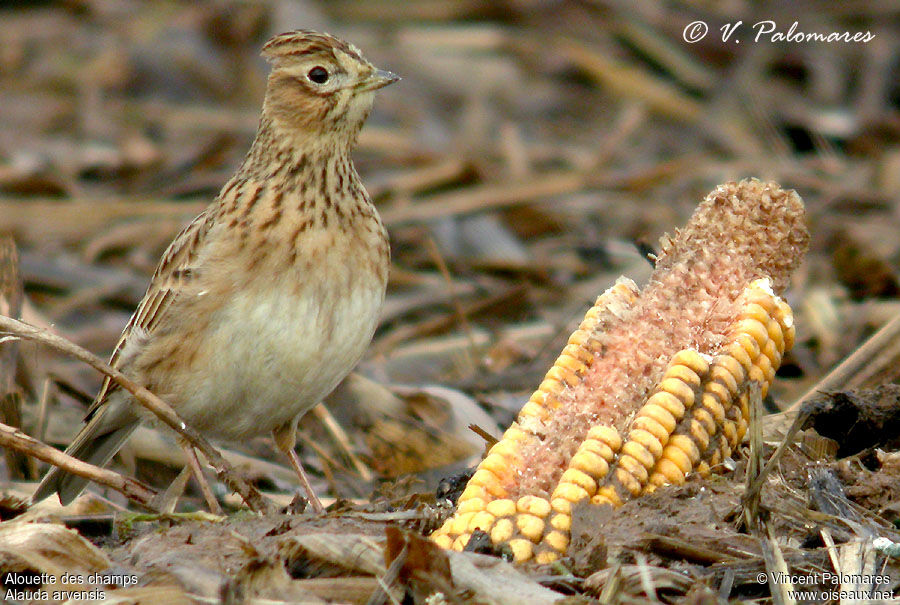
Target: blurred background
(533,152)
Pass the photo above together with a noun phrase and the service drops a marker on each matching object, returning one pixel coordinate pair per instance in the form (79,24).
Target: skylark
(271,295)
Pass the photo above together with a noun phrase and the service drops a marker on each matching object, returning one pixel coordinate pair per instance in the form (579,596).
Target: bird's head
(320,85)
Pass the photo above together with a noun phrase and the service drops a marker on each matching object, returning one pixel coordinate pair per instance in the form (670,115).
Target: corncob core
(654,383)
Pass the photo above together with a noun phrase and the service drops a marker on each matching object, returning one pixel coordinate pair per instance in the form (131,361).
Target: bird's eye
(318,74)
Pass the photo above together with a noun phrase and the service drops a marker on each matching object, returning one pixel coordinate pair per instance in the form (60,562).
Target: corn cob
(653,385)
(487,489)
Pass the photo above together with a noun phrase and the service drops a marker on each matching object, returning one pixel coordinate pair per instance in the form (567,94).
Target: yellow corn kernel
(755,329)
(684,374)
(742,426)
(496,491)
(702,415)
(551,401)
(483,521)
(571,350)
(578,338)
(656,421)
(534,505)
(504,450)
(558,372)
(502,531)
(501,508)
(599,448)
(719,391)
(593,314)
(693,360)
(471,505)
(766,373)
(657,479)
(762,294)
(561,522)
(647,440)
(490,482)
(726,449)
(579,478)
(744,400)
(756,373)
(667,472)
(789,334)
(769,374)
(682,392)
(607,495)
(530,526)
(460,543)
(638,453)
(698,434)
(782,310)
(729,431)
(786,319)
(513,434)
(724,377)
(772,354)
(571,361)
(734,366)
(776,335)
(755,311)
(734,411)
(569,492)
(522,549)
(712,404)
(631,475)
(570,378)
(607,435)
(532,409)
(761,287)
(498,465)
(686,445)
(748,343)
(678,457)
(442,540)
(460,523)
(484,478)
(546,557)
(557,540)
(561,505)
(591,464)
(737,352)
(474,491)
(726,363)
(583,354)
(550,385)
(668,402)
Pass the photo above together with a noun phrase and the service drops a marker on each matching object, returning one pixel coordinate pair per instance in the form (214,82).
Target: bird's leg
(285,439)
(194,465)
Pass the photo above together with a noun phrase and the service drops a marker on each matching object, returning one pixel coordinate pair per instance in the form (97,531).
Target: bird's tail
(97,443)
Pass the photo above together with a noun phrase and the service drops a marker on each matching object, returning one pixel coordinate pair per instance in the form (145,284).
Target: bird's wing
(176,268)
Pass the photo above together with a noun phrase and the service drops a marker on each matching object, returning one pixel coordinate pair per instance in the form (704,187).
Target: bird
(271,295)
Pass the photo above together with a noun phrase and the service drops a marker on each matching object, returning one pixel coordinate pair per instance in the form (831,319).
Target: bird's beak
(379,79)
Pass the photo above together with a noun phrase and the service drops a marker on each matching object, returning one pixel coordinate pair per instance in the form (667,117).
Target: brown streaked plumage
(271,295)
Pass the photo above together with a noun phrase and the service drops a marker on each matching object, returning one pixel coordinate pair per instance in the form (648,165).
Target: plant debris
(529,153)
